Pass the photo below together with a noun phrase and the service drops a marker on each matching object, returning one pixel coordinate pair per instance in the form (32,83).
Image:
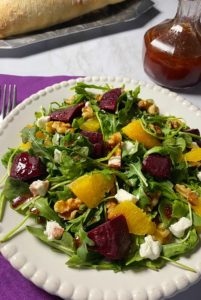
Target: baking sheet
(114,14)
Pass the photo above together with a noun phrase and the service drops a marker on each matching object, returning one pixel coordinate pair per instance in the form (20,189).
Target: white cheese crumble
(42,121)
(123,195)
(53,230)
(87,104)
(178,228)
(115,162)
(199,175)
(150,249)
(39,187)
(128,147)
(57,156)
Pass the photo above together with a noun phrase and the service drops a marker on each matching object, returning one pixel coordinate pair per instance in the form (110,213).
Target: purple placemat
(13,286)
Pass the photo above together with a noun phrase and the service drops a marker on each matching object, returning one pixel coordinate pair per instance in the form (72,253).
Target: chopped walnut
(59,127)
(145,104)
(149,106)
(175,123)
(98,98)
(153,109)
(67,209)
(187,193)
(156,129)
(163,235)
(110,206)
(87,112)
(114,139)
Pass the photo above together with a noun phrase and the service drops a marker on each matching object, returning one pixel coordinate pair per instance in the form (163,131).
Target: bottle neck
(189,9)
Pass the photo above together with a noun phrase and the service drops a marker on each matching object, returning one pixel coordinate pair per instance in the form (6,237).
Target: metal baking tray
(114,14)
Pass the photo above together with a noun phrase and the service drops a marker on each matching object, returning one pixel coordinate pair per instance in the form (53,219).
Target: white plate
(46,268)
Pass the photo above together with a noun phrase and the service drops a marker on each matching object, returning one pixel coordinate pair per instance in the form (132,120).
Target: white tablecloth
(115,51)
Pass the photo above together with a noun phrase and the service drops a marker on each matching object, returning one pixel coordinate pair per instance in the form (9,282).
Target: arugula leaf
(14,188)
(196,220)
(45,210)
(7,156)
(129,110)
(2,205)
(179,209)
(94,261)
(165,187)
(82,251)
(108,123)
(83,94)
(37,147)
(175,249)
(135,169)
(65,244)
(164,209)
(143,199)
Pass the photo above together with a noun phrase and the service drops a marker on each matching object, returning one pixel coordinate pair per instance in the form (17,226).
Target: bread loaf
(21,16)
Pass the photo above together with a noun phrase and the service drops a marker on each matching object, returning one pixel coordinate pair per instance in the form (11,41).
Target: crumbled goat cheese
(57,156)
(199,175)
(115,162)
(42,121)
(150,249)
(178,228)
(39,187)
(123,195)
(128,147)
(87,104)
(53,230)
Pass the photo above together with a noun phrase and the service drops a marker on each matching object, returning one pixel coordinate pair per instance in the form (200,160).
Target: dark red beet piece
(26,167)
(93,137)
(109,100)
(193,131)
(157,165)
(67,115)
(96,139)
(197,132)
(111,238)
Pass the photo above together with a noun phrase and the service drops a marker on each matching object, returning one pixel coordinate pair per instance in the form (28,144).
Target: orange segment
(196,206)
(194,155)
(135,131)
(138,221)
(91,188)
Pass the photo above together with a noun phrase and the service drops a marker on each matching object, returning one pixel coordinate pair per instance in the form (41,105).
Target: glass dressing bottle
(172,49)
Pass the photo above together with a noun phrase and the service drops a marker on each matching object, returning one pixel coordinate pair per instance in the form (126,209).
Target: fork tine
(9,100)
(3,101)
(14,97)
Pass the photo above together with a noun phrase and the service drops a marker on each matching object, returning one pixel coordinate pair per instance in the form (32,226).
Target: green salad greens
(110,181)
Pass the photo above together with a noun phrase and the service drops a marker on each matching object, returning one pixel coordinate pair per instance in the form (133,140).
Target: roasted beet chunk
(67,115)
(157,165)
(111,238)
(196,132)
(26,167)
(109,100)
(93,137)
(96,139)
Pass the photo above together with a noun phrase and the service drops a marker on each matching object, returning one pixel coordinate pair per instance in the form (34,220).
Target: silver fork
(7,99)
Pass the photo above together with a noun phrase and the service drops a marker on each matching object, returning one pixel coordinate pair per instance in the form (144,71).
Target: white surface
(89,284)
(113,51)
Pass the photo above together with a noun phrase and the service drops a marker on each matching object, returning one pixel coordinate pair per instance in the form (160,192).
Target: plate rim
(18,260)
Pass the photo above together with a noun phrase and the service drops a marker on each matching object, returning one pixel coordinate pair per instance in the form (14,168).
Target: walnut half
(67,209)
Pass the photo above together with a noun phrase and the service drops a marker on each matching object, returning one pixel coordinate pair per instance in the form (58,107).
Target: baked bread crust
(21,16)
